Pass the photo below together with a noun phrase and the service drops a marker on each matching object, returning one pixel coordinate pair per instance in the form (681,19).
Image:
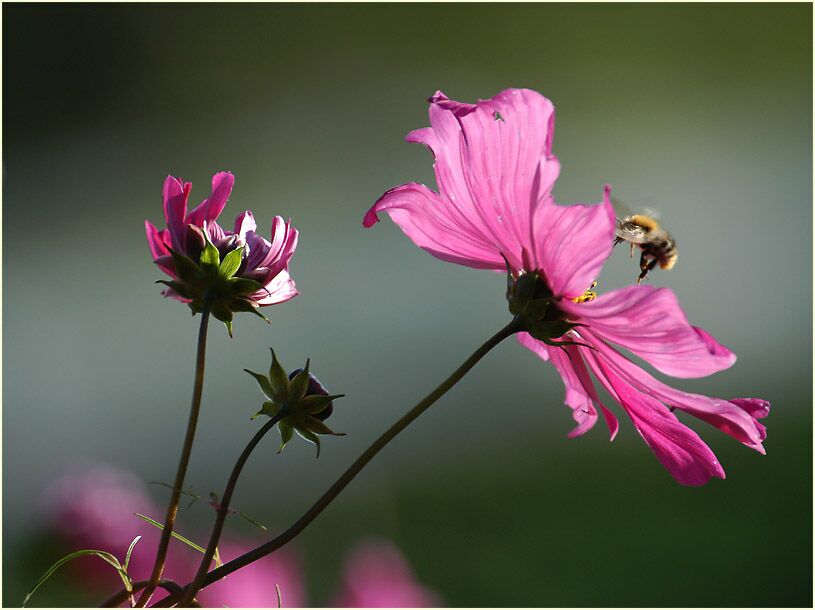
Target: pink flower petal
(493,165)
(650,323)
(756,407)
(278,290)
(728,416)
(157,240)
(244,223)
(175,195)
(376,575)
(686,457)
(254,585)
(211,207)
(581,396)
(431,223)
(572,243)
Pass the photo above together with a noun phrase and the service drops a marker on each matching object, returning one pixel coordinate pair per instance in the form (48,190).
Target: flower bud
(300,402)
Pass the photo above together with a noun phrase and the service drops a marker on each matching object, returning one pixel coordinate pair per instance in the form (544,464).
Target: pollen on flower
(589,295)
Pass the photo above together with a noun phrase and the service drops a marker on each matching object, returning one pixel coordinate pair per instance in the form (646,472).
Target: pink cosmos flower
(495,172)
(376,575)
(264,263)
(93,506)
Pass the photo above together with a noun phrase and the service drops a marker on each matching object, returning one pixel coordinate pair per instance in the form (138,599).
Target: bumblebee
(657,245)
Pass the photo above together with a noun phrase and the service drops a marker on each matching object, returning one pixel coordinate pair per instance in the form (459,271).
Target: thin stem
(119,597)
(223,510)
(298,526)
(183,462)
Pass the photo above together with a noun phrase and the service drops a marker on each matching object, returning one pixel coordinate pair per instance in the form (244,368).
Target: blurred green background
(702,111)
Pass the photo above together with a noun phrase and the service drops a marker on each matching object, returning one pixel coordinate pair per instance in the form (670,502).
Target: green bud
(299,400)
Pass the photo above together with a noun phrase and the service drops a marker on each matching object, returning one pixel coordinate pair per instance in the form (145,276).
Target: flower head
(495,210)
(229,271)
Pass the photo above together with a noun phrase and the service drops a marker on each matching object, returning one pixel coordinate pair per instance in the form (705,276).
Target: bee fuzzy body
(657,246)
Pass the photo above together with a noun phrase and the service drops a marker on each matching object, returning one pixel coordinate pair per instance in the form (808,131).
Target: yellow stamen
(589,295)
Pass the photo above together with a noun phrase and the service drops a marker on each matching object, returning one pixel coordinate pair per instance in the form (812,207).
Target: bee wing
(620,209)
(632,234)
(651,212)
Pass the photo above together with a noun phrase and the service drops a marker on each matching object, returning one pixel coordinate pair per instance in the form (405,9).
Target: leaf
(181,538)
(263,382)
(183,492)
(130,551)
(252,521)
(103,555)
(231,263)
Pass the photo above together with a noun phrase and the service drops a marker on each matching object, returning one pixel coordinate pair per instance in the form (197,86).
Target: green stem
(183,462)
(223,511)
(298,526)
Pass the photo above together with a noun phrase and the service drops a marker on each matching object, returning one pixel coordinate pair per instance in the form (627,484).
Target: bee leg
(632,250)
(645,267)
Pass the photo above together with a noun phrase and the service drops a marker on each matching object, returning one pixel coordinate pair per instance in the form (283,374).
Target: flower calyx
(535,308)
(213,282)
(298,400)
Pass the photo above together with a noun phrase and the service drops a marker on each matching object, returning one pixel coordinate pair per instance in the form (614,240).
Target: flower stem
(183,462)
(223,510)
(298,526)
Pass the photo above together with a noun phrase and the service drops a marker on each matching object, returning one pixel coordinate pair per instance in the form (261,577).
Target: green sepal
(286,434)
(247,306)
(221,312)
(510,278)
(269,409)
(210,257)
(316,403)
(536,309)
(231,263)
(185,268)
(544,330)
(310,437)
(264,384)
(523,291)
(278,379)
(312,424)
(182,290)
(243,286)
(299,385)
(228,324)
